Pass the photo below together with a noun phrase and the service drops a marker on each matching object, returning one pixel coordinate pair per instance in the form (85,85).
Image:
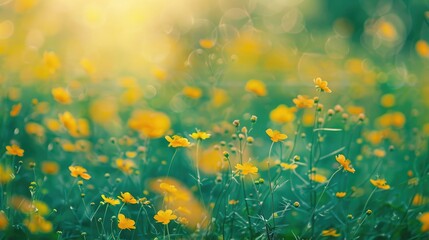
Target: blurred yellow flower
(4,222)
(125,165)
(207,43)
(257,87)
(61,95)
(321,85)
(50,167)
(340,194)
(35,129)
(150,124)
(52,124)
(126,197)
(125,223)
(380,183)
(303,102)
(51,62)
(422,48)
(37,224)
(282,114)
(198,135)
(165,217)
(395,119)
(14,150)
(424,219)
(287,166)
(109,200)
(246,168)
(220,97)
(275,135)
(192,92)
(88,67)
(23,5)
(387,100)
(330,233)
(6,174)
(317,178)
(168,188)
(16,109)
(78,171)
(345,163)
(68,121)
(177,141)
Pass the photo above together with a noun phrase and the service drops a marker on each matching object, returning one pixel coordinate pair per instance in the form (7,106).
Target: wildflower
(182,220)
(6,174)
(287,166)
(68,121)
(78,171)
(37,224)
(207,43)
(125,165)
(16,109)
(422,48)
(340,194)
(257,87)
(168,188)
(4,222)
(177,141)
(51,62)
(330,233)
(246,168)
(345,163)
(127,198)
(164,217)
(322,85)
(380,183)
(192,92)
(61,95)
(424,219)
(303,102)
(125,223)
(232,202)
(317,178)
(198,135)
(150,124)
(50,167)
(282,114)
(110,200)
(35,129)
(275,135)
(14,150)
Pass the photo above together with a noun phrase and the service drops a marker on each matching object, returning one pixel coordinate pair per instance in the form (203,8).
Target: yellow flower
(4,222)
(50,167)
(303,102)
(125,223)
(78,171)
(177,141)
(51,62)
(110,200)
(14,150)
(275,135)
(246,168)
(61,95)
(345,163)
(233,202)
(37,224)
(150,124)
(257,87)
(6,174)
(168,188)
(340,194)
(322,85)
(192,92)
(198,135)
(165,217)
(68,121)
(16,109)
(317,178)
(330,233)
(207,43)
(125,165)
(424,219)
(127,198)
(35,129)
(287,166)
(282,114)
(380,183)
(422,48)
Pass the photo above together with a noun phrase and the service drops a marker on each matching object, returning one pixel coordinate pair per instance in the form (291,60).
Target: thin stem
(171,162)
(326,187)
(270,184)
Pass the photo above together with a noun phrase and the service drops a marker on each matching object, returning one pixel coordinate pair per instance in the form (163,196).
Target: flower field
(227,119)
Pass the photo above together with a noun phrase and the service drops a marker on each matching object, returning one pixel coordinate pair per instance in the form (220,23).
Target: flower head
(283,114)
(246,168)
(110,200)
(125,223)
(16,109)
(345,163)
(257,87)
(303,102)
(61,95)
(287,166)
(177,141)
(275,135)
(165,217)
(14,150)
(380,183)
(127,198)
(424,219)
(4,222)
(78,171)
(198,135)
(330,233)
(322,85)
(340,194)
